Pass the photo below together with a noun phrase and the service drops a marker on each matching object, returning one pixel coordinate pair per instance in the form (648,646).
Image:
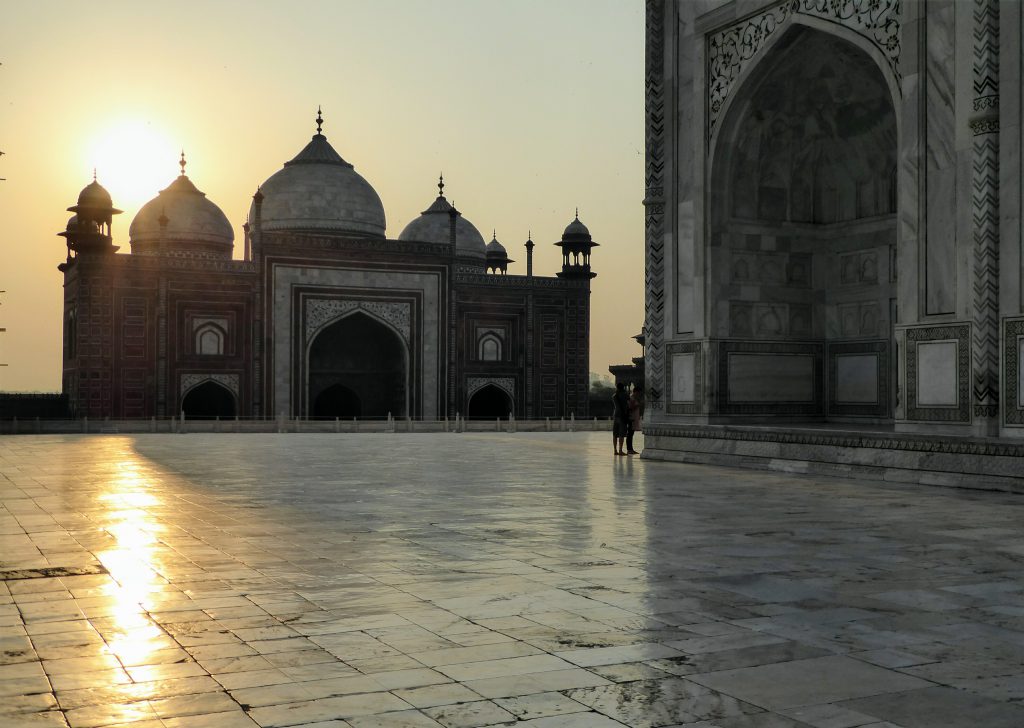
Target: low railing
(182,424)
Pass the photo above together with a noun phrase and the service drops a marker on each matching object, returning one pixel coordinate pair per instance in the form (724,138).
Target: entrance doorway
(489,402)
(358,368)
(208,401)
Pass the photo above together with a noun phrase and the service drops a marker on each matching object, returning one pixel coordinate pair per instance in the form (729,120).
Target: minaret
(89,230)
(576,245)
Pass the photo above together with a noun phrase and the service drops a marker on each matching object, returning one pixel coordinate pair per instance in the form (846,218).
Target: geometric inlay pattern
(985,208)
(654,205)
(320,312)
(505,384)
(188,381)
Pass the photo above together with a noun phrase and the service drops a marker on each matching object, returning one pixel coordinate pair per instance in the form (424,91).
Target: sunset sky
(530,108)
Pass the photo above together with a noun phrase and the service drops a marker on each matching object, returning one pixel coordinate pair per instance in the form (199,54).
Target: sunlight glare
(134,160)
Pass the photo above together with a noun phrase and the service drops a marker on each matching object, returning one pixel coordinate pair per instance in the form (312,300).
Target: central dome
(319,191)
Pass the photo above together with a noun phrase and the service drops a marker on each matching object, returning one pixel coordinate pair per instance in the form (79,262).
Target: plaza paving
(459,580)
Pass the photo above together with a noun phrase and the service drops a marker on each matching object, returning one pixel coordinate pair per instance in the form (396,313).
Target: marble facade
(833,215)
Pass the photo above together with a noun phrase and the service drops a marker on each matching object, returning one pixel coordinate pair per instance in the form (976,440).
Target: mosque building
(324,316)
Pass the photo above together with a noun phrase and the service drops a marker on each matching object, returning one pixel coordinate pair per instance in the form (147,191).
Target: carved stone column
(654,202)
(985,210)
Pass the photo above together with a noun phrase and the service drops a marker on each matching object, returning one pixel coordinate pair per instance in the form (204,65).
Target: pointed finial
(319,119)
(577,213)
(529,234)
(440,186)
(182,163)
(494,233)
(93,174)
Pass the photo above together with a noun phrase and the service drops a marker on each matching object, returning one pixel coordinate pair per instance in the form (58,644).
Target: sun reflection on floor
(131,563)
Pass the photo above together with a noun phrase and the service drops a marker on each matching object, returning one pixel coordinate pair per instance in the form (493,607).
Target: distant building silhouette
(324,317)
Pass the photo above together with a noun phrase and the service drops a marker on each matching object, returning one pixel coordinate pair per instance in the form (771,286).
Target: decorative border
(879,409)
(686,408)
(1013,331)
(920,443)
(506,384)
(654,206)
(816,350)
(321,312)
(962,334)
(190,381)
(731,49)
(985,208)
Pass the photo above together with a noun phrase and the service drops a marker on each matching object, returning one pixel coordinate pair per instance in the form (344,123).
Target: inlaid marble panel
(857,378)
(683,377)
(770,378)
(937,375)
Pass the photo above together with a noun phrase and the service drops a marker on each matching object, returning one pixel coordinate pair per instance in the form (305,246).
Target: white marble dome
(194,224)
(434,226)
(319,191)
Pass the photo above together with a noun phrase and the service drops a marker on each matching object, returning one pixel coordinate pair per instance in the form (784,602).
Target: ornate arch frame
(399,325)
(188,382)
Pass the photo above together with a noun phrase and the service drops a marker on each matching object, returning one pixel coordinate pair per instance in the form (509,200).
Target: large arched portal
(489,402)
(358,368)
(208,401)
(802,235)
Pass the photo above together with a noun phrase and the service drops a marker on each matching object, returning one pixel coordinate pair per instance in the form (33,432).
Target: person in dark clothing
(635,413)
(620,418)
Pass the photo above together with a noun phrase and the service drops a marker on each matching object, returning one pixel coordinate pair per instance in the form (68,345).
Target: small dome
(576,229)
(320,191)
(193,223)
(96,196)
(434,226)
(94,204)
(495,248)
(72,224)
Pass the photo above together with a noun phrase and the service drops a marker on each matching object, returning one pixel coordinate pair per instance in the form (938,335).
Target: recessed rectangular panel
(1020,372)
(771,378)
(684,377)
(937,375)
(857,378)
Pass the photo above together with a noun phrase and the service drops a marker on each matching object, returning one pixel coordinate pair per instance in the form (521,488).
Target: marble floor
(462,580)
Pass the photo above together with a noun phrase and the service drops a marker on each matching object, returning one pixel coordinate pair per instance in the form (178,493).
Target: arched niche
(809,136)
(489,402)
(801,231)
(208,400)
(489,347)
(358,359)
(209,340)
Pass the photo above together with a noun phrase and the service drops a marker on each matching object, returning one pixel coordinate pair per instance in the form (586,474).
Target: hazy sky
(529,107)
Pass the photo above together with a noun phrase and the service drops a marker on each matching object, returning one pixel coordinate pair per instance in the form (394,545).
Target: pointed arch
(367,357)
(208,399)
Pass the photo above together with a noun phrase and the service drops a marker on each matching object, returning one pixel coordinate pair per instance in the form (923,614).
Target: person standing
(635,412)
(620,418)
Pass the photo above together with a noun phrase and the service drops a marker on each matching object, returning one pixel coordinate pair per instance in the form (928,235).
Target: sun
(134,160)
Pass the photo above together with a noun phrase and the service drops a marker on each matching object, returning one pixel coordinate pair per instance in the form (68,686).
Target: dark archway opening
(337,401)
(357,364)
(208,401)
(489,402)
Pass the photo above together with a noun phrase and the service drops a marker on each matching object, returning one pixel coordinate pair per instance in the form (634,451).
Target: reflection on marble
(472,579)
